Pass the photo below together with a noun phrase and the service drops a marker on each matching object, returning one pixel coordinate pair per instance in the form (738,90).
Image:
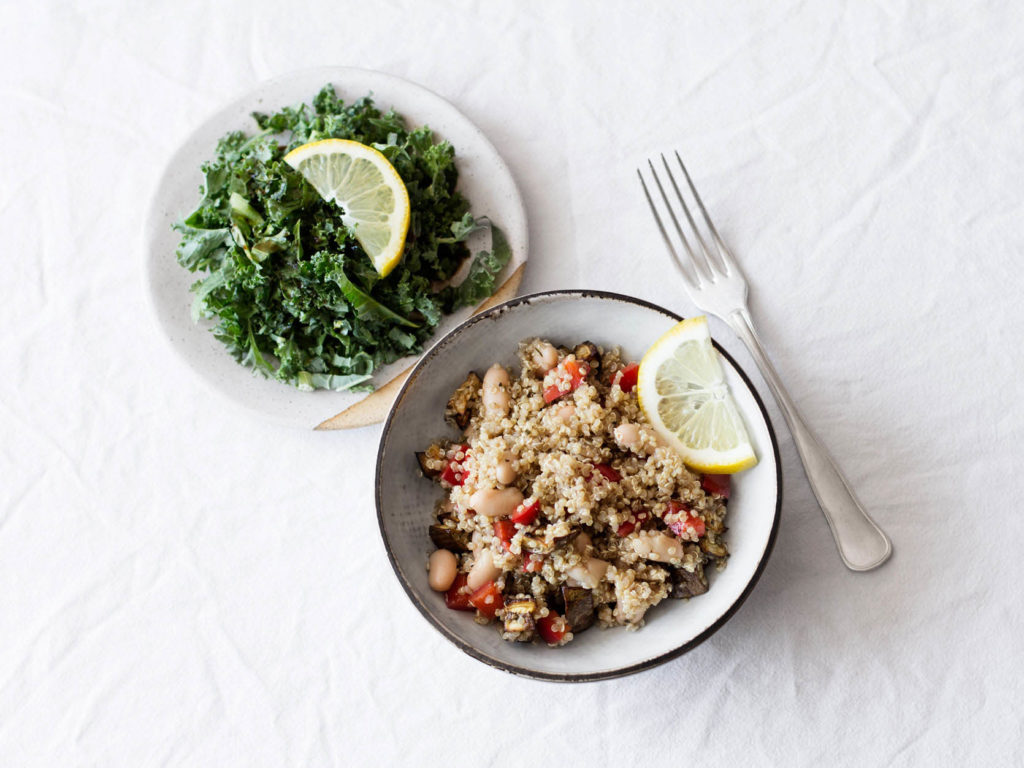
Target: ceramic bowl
(406,500)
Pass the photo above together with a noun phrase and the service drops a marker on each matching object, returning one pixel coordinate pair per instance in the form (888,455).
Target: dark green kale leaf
(483,272)
(291,292)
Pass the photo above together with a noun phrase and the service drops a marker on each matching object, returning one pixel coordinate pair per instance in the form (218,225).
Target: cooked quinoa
(562,507)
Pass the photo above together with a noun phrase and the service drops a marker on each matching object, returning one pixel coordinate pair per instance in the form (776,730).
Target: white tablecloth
(181,584)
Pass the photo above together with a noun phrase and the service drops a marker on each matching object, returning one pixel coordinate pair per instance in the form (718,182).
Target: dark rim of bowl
(584,677)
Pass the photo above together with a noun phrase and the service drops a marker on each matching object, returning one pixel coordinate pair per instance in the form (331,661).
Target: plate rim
(151,221)
(580,677)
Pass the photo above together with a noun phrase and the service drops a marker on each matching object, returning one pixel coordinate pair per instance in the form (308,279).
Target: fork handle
(862,544)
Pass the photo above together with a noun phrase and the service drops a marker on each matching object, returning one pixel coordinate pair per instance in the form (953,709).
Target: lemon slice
(683,393)
(373,199)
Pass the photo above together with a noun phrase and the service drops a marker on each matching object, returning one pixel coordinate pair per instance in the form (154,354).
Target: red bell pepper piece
(487,599)
(448,474)
(687,524)
(687,527)
(568,370)
(457,597)
(453,472)
(628,377)
(533,563)
(552,628)
(720,484)
(609,473)
(639,518)
(525,514)
(504,530)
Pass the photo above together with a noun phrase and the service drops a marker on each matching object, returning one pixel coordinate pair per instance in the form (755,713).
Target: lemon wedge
(683,393)
(371,194)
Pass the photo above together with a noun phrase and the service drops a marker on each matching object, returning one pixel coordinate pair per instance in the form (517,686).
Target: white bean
(496,502)
(658,546)
(496,396)
(442,566)
(483,570)
(581,542)
(565,413)
(627,435)
(506,471)
(598,568)
(544,357)
(587,574)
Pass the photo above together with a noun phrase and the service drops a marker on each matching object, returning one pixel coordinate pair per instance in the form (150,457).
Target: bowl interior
(405,499)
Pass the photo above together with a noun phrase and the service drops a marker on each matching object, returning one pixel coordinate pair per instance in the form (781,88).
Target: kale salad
(288,287)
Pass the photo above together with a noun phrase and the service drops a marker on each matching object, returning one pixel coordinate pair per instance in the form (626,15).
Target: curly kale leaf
(290,291)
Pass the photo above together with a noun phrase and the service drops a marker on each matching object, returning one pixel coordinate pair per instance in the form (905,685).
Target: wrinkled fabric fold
(185,585)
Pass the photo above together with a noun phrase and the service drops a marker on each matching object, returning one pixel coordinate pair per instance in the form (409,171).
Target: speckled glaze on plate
(405,500)
(484,179)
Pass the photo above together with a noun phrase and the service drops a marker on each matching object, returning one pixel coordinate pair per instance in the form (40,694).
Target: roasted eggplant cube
(536,545)
(686,584)
(561,541)
(554,601)
(521,604)
(447,537)
(463,401)
(432,461)
(519,614)
(517,584)
(425,468)
(579,607)
(714,548)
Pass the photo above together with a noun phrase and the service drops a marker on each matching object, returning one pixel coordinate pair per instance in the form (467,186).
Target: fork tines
(706,262)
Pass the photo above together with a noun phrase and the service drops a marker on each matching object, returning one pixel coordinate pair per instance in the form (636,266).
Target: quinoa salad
(562,507)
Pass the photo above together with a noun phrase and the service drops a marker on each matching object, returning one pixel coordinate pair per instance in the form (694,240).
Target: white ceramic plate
(406,500)
(484,179)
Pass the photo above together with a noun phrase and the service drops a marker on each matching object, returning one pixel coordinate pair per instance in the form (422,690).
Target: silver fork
(716,285)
